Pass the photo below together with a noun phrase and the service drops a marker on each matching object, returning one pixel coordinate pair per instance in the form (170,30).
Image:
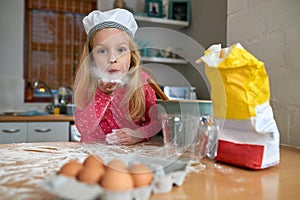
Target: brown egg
(91,174)
(116,165)
(93,160)
(117,180)
(142,175)
(71,168)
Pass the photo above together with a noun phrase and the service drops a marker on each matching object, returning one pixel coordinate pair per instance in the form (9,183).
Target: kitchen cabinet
(13,132)
(157,40)
(178,69)
(16,132)
(169,53)
(47,131)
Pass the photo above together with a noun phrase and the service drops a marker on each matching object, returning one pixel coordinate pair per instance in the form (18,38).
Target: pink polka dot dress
(105,113)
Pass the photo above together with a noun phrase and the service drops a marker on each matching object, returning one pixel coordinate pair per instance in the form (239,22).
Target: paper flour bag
(240,95)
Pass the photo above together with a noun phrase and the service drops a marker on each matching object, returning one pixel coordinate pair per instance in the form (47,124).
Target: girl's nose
(112,58)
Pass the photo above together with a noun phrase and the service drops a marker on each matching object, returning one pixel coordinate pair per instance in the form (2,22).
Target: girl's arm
(133,133)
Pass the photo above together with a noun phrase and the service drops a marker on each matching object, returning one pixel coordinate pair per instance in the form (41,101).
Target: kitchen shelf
(164,60)
(167,23)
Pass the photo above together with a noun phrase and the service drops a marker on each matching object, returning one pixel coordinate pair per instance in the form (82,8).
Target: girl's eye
(122,49)
(102,51)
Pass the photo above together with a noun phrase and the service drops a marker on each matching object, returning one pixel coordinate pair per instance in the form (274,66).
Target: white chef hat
(117,18)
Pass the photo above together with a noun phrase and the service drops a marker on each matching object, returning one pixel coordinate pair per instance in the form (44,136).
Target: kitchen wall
(11,57)
(270,30)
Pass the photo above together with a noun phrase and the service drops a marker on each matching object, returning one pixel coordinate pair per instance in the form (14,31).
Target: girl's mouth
(113,70)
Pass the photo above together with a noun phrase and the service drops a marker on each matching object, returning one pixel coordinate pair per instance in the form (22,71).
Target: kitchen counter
(36,118)
(25,165)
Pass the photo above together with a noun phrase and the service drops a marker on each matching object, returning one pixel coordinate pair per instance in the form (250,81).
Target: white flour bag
(240,95)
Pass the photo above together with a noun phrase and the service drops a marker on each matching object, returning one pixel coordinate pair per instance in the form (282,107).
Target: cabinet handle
(43,130)
(11,130)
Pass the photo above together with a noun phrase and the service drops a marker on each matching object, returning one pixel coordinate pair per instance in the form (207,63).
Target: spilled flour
(24,166)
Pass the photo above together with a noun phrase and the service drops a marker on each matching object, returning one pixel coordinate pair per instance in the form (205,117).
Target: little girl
(113,100)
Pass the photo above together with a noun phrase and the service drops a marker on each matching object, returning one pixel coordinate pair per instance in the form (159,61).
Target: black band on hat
(109,24)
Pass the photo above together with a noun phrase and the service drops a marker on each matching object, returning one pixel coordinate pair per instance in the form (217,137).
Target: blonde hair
(85,83)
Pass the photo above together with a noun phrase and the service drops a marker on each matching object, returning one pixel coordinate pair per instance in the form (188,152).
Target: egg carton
(167,173)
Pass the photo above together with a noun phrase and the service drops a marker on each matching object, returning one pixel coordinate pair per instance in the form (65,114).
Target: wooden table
(24,166)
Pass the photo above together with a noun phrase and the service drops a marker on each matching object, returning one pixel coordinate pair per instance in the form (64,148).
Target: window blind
(54,39)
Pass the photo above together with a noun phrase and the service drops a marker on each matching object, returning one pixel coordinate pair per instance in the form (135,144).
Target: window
(54,37)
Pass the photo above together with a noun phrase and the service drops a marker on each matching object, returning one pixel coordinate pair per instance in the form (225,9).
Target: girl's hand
(109,87)
(123,136)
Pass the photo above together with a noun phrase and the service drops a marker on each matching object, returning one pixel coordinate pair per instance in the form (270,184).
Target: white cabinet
(47,131)
(11,132)
(160,34)
(15,132)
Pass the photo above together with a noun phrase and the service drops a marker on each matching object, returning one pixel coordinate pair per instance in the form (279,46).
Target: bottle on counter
(56,105)
(29,92)
(63,100)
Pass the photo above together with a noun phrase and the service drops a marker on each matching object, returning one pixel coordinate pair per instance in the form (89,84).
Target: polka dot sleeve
(87,120)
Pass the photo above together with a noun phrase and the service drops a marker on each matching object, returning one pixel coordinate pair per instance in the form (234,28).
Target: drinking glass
(182,138)
(190,137)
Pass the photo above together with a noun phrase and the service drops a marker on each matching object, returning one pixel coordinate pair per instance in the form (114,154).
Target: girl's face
(111,51)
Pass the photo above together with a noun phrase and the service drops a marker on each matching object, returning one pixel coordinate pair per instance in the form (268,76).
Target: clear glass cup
(182,137)
(189,137)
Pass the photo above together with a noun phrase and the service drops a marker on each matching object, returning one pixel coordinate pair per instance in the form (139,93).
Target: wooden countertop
(24,166)
(36,118)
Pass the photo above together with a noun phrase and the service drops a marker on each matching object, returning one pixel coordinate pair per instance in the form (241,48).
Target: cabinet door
(13,132)
(48,131)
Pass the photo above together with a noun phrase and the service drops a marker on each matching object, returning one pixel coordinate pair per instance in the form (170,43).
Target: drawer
(13,132)
(48,131)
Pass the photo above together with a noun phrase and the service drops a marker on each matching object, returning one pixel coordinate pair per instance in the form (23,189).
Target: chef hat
(116,18)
